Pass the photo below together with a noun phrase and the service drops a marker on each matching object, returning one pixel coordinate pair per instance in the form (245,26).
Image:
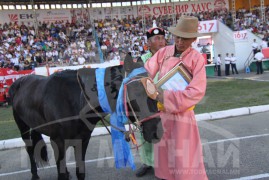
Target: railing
(248,61)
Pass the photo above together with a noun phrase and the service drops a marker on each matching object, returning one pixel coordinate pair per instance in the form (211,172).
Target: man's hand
(160,96)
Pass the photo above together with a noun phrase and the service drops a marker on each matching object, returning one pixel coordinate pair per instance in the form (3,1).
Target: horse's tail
(14,88)
(40,148)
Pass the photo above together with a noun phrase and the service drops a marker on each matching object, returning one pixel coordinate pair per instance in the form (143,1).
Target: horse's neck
(113,80)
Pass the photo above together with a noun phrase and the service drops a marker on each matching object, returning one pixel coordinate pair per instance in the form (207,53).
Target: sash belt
(161,107)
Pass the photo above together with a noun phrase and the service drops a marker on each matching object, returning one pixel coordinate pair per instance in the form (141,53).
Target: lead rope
(131,135)
(95,111)
(138,124)
(132,109)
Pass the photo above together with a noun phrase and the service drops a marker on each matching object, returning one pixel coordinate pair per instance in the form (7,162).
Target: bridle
(128,102)
(130,133)
(137,122)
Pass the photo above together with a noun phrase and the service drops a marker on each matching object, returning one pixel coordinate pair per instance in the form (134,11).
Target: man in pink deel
(178,156)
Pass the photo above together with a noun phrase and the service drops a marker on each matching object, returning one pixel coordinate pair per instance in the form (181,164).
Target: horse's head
(142,109)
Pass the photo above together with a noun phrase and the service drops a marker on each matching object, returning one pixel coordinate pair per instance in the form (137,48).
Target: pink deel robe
(178,156)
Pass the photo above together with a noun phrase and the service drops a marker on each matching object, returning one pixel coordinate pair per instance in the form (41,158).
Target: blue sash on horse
(122,152)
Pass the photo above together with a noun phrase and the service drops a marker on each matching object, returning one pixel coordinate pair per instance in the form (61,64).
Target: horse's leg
(80,152)
(59,149)
(26,136)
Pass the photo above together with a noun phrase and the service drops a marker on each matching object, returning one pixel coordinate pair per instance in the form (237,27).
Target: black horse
(65,107)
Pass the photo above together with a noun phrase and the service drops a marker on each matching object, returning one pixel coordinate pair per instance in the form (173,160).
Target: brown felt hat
(187,27)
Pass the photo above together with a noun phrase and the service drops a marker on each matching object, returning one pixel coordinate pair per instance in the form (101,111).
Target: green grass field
(228,94)
(220,95)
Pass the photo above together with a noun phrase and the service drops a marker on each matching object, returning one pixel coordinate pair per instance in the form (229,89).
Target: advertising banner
(183,7)
(81,14)
(28,16)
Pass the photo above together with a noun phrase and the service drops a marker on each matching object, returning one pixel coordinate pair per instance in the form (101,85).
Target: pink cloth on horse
(178,156)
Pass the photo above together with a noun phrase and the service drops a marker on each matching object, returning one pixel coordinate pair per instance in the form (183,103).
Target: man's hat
(187,27)
(155,31)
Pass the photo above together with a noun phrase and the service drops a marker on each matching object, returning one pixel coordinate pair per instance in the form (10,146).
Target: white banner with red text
(240,36)
(82,14)
(185,7)
(208,26)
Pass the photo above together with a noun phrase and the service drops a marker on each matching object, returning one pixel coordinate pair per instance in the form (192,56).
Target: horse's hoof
(35,177)
(81,177)
(67,176)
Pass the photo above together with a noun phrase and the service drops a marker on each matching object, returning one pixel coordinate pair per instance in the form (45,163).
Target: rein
(129,135)
(137,121)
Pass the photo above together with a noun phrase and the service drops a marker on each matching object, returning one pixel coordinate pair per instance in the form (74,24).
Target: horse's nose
(155,136)
(159,133)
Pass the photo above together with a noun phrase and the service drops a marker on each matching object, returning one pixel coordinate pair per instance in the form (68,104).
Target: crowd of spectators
(72,43)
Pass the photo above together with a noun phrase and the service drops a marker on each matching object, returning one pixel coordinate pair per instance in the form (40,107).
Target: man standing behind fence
(227,64)
(219,64)
(258,58)
(233,64)
(255,47)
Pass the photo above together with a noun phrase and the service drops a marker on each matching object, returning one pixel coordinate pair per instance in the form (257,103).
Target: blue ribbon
(102,97)
(120,103)
(101,56)
(122,153)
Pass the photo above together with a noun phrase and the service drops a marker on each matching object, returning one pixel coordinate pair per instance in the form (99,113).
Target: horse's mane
(64,73)
(69,72)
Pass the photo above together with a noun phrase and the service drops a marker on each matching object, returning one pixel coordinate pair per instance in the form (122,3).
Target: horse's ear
(130,64)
